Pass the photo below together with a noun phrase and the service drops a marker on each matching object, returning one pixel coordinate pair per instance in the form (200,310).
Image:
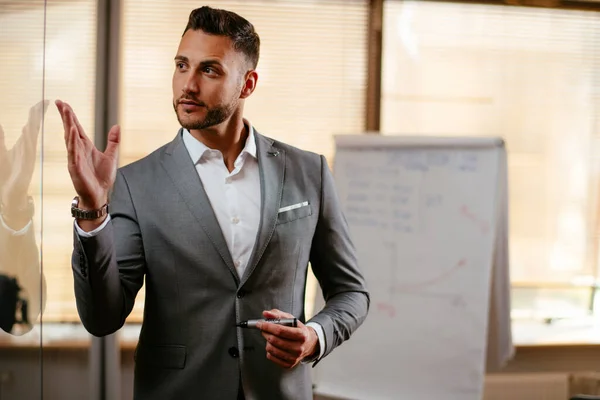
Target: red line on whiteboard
(484,226)
(460,264)
(387,308)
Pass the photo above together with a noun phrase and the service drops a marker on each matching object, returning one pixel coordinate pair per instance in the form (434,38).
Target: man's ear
(249,84)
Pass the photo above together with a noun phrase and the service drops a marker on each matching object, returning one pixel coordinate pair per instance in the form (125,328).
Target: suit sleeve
(109,267)
(334,263)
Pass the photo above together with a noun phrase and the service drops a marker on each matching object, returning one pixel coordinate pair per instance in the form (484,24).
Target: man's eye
(209,70)
(180,65)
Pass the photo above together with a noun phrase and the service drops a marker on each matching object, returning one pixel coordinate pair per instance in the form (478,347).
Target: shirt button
(228,180)
(234,352)
(238,263)
(235,220)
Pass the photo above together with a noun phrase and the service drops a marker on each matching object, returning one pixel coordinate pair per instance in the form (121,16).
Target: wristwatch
(24,210)
(87,214)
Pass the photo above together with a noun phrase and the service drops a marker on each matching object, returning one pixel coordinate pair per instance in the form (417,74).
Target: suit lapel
(271,164)
(180,168)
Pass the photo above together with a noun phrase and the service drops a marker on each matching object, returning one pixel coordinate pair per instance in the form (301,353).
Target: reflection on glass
(22,286)
(47,51)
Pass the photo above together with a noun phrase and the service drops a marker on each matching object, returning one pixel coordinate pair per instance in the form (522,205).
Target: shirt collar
(197,149)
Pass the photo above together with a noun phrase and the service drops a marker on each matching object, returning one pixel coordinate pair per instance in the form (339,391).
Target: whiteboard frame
(386,141)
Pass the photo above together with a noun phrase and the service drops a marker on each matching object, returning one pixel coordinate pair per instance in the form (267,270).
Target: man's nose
(191,85)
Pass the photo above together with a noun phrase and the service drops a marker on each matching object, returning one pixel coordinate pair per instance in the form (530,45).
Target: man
(222,223)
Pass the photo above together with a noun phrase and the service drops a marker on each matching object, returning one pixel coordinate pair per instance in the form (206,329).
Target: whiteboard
(423,214)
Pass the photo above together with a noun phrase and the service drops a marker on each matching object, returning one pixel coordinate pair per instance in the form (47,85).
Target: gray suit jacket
(163,228)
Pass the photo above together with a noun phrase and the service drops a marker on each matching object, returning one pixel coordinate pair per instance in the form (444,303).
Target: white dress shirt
(234,196)
(235,200)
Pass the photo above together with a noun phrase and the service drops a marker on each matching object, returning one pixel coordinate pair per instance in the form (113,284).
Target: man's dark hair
(226,23)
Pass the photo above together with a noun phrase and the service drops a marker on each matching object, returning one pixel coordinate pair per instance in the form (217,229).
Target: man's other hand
(288,346)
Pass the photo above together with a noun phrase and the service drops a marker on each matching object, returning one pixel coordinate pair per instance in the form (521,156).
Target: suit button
(233,352)
(241,294)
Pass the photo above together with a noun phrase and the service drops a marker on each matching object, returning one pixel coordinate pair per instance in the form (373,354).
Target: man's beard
(214,115)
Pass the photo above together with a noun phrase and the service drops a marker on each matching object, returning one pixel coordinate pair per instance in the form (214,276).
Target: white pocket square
(293,207)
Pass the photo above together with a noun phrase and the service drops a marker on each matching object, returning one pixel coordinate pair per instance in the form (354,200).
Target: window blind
(529,75)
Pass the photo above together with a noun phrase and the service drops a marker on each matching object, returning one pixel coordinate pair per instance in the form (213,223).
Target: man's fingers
(286,332)
(114,138)
(285,344)
(65,119)
(72,143)
(280,354)
(70,121)
(275,313)
(289,346)
(77,124)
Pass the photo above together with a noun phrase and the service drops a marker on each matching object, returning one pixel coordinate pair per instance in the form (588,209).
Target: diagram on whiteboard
(418,287)
(403,206)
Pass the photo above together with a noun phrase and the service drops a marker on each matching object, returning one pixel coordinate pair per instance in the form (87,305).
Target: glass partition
(22,111)
(47,52)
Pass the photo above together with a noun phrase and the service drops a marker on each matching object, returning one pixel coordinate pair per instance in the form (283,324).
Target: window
(312,73)
(530,76)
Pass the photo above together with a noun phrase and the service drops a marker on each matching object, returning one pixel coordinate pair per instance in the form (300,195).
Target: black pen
(251,323)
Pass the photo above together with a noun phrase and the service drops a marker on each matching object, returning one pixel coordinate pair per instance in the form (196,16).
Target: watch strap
(78,213)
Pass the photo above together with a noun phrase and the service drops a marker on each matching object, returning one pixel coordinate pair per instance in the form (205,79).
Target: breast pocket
(293,212)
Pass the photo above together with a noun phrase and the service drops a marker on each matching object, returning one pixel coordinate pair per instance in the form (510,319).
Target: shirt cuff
(20,232)
(321,335)
(93,233)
